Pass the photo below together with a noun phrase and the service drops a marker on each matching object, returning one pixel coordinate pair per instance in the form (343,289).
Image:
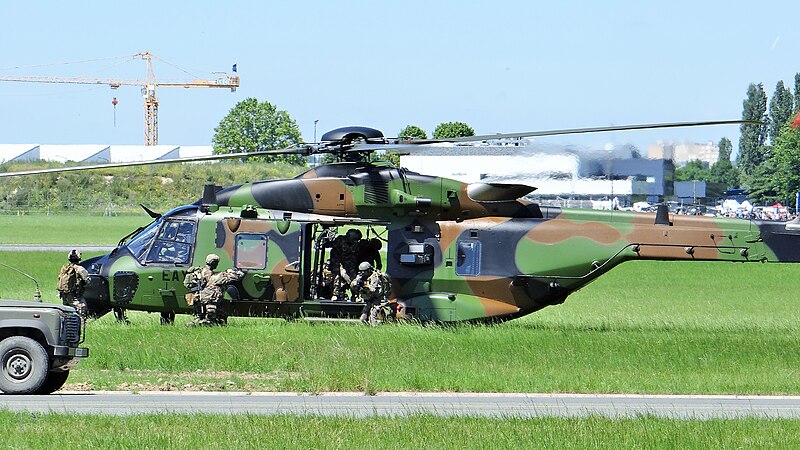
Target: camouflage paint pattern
(455,252)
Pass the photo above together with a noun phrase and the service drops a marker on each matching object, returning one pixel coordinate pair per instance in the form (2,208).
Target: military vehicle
(39,344)
(454,251)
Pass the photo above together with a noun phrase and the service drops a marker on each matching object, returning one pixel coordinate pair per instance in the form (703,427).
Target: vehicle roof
(32,304)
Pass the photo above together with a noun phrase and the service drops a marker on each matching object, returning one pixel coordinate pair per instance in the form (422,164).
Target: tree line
(768,162)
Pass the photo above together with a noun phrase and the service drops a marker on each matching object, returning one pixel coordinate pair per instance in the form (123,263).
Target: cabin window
(251,251)
(173,244)
(468,262)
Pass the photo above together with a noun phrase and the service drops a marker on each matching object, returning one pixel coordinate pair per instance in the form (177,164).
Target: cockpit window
(138,245)
(174,243)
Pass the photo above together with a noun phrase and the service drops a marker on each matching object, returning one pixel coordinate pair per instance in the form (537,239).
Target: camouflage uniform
(326,282)
(74,296)
(197,280)
(211,295)
(344,262)
(371,287)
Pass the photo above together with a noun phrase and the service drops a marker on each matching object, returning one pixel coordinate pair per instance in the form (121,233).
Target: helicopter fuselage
(484,268)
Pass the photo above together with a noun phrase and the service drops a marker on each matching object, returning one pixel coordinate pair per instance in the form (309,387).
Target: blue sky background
(503,66)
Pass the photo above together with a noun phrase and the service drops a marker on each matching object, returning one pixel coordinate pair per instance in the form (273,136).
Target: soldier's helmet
(74,256)
(353,235)
(212,259)
(365,267)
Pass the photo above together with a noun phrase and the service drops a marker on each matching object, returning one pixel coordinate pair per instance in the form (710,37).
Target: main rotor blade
(646,126)
(299,150)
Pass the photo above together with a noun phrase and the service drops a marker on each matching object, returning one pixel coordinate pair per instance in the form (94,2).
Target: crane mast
(148,90)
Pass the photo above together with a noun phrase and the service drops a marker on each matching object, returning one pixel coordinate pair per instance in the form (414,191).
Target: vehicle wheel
(54,382)
(24,365)
(167,318)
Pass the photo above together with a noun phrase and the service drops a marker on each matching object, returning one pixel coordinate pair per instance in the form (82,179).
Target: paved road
(54,248)
(360,405)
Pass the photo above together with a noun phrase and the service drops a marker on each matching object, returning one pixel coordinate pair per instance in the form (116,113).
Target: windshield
(139,243)
(168,240)
(174,242)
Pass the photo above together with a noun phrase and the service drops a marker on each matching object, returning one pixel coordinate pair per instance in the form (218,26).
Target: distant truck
(39,344)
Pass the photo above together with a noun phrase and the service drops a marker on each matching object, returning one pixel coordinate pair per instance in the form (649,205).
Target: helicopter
(454,251)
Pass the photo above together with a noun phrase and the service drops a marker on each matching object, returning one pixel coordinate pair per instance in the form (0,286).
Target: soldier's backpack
(193,280)
(67,279)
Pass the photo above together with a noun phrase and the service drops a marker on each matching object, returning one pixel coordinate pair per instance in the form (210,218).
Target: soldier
(344,262)
(72,281)
(370,286)
(211,296)
(369,251)
(326,281)
(196,280)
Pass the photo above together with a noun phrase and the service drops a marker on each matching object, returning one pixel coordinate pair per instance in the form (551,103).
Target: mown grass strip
(46,431)
(68,229)
(523,356)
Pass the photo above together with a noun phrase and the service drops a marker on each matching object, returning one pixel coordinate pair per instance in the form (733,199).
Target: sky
(501,66)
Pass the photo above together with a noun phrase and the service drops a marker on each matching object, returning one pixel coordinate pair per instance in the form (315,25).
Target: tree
(786,163)
(781,107)
(251,126)
(413,132)
(761,184)
(751,143)
(797,91)
(723,171)
(694,170)
(448,130)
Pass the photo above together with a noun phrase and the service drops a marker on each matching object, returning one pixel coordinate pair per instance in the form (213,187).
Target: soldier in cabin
(369,250)
(344,262)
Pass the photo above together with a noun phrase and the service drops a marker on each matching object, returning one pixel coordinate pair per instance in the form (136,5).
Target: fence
(95,204)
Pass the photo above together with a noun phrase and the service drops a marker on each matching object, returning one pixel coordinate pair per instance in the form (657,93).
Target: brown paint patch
(330,196)
(287,281)
(497,288)
(559,230)
(671,241)
(496,308)
(243,226)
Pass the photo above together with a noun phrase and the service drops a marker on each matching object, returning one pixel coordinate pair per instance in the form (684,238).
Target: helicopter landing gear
(121,316)
(167,318)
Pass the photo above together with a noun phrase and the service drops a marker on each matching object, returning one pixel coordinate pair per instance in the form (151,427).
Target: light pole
(315,130)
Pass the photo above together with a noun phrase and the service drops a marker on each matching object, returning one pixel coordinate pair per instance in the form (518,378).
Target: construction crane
(148,90)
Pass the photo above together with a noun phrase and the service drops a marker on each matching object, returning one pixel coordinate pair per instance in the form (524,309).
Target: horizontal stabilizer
(497,192)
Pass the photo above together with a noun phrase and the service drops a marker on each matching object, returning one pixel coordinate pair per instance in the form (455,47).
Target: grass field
(624,333)
(68,230)
(26,431)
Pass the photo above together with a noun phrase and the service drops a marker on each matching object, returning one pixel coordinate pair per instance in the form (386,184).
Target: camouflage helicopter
(454,251)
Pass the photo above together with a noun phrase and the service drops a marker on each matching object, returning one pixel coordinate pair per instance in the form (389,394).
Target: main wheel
(54,382)
(23,365)
(167,318)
